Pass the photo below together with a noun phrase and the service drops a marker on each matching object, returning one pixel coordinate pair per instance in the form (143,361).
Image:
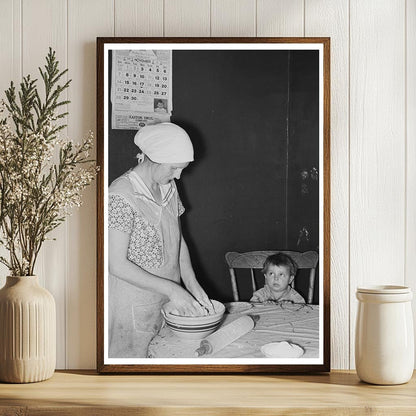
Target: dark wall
(303,189)
(236,107)
(303,179)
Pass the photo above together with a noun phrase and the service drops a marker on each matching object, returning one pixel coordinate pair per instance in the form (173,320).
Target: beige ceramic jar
(27,331)
(384,342)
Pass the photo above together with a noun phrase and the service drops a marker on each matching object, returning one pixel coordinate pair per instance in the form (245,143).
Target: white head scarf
(165,143)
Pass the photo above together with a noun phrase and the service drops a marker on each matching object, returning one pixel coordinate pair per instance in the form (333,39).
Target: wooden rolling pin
(226,335)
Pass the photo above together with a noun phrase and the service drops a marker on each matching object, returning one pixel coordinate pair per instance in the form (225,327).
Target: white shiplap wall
(373,132)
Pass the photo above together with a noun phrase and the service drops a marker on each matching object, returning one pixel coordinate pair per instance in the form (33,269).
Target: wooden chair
(255,260)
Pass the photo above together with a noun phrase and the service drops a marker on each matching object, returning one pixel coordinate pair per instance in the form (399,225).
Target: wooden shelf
(85,392)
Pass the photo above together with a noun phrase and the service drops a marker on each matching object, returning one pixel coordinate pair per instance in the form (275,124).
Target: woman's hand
(182,303)
(203,299)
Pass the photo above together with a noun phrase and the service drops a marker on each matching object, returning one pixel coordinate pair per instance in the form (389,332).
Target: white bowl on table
(195,327)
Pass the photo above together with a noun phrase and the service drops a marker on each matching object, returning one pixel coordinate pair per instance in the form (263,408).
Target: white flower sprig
(41,176)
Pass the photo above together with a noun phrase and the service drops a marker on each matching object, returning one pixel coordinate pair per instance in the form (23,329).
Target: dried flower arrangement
(42,176)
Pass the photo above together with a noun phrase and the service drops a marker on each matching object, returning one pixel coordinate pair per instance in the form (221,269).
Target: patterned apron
(134,313)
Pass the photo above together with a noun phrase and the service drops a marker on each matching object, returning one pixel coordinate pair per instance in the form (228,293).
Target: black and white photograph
(213,205)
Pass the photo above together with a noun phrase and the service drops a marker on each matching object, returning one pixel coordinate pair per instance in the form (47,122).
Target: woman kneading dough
(148,256)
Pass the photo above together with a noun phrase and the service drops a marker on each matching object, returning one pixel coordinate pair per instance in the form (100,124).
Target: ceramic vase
(27,331)
(384,341)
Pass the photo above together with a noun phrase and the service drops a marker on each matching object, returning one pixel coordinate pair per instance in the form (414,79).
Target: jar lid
(384,289)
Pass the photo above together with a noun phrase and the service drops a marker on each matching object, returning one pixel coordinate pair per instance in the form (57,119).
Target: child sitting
(279,272)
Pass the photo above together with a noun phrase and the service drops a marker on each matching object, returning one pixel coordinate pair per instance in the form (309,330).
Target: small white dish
(282,349)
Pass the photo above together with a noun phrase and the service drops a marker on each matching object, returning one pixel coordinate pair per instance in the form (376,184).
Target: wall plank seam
(210,18)
(304,17)
(405,143)
(349,183)
(21,39)
(67,249)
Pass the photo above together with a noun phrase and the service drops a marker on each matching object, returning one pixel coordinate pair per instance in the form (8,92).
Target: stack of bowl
(195,327)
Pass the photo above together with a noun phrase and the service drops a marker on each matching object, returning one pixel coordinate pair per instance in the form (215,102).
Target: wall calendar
(141,88)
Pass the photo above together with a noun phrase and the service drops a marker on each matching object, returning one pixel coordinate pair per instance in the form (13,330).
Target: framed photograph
(213,205)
